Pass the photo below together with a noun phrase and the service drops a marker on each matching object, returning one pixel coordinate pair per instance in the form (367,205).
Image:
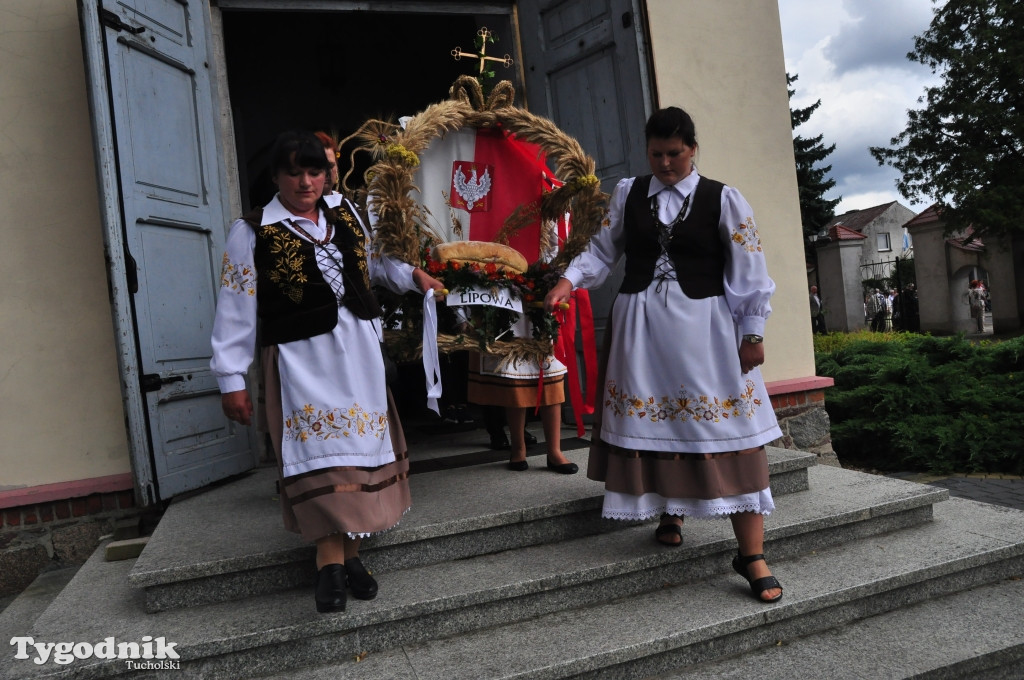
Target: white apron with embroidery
(333,392)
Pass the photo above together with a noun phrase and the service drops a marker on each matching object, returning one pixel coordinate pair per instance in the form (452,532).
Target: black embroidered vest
(295,302)
(696,249)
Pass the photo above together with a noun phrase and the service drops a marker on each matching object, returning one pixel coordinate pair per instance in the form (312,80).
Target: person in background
(333,154)
(890,308)
(896,304)
(513,385)
(976,302)
(296,274)
(877,310)
(686,414)
(494,422)
(817,315)
(911,309)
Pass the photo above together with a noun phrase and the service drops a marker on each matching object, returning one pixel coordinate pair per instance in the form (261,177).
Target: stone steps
(454,604)
(200,554)
(976,633)
(875,607)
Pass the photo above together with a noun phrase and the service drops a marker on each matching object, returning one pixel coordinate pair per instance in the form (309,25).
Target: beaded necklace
(665,231)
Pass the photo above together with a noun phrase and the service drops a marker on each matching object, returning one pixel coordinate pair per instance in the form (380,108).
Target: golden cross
(484,35)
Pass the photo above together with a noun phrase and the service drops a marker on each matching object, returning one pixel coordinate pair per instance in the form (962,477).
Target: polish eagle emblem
(474,189)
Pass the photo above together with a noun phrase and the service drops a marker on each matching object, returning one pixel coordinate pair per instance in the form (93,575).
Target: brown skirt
(704,476)
(493,390)
(338,500)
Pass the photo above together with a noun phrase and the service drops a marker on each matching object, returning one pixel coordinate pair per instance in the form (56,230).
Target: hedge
(904,401)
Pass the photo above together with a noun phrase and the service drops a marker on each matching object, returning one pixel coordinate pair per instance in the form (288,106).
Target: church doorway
(332,71)
(186,99)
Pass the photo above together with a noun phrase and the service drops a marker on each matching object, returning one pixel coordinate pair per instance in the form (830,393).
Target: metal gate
(904,312)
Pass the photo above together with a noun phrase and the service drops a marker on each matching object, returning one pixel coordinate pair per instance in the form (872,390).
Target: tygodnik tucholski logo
(149,654)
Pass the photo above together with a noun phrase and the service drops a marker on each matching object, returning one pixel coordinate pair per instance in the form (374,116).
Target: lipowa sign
(492,297)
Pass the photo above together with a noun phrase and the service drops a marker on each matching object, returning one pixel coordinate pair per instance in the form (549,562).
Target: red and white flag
(471,181)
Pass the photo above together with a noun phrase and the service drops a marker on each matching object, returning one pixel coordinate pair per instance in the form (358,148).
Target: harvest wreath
(403,229)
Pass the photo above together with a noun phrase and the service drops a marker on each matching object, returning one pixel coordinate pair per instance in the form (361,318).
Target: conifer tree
(813,182)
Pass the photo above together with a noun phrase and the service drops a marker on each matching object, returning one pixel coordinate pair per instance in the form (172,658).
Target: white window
(883,242)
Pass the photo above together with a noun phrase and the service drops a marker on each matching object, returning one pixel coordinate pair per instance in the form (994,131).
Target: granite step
(461,598)
(943,600)
(201,554)
(31,602)
(976,633)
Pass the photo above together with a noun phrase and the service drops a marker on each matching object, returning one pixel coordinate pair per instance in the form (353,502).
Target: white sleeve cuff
(573,275)
(231,383)
(752,325)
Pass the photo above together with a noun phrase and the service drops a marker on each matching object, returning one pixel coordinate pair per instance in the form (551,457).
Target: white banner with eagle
(471,181)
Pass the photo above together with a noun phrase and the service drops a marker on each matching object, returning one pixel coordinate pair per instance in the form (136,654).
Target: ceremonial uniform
(680,429)
(306,288)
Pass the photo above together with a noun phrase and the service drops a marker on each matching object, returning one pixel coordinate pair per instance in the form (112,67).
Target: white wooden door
(164,209)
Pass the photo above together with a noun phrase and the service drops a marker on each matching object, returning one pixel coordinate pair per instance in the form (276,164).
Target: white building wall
(890,222)
(723,63)
(60,405)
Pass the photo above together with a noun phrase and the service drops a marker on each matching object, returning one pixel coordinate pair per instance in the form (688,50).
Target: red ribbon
(565,351)
(587,334)
(540,386)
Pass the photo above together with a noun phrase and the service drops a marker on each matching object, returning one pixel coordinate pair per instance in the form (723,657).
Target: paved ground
(1005,490)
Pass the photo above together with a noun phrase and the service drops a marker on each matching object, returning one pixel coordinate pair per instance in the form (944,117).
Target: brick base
(804,421)
(57,533)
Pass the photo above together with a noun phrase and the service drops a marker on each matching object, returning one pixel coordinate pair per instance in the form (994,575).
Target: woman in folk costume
(523,385)
(685,415)
(513,385)
(481,178)
(298,272)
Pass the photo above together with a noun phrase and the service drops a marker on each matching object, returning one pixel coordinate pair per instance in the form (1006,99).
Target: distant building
(946,263)
(854,247)
(883,228)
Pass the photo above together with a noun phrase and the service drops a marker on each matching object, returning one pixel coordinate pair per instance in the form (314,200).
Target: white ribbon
(431,364)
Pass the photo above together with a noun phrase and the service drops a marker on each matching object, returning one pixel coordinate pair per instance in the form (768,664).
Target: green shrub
(904,401)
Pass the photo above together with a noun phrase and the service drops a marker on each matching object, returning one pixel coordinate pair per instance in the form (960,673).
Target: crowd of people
(895,310)
(892,310)
(688,321)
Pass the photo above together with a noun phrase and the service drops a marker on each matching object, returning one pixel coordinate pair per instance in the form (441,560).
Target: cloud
(879,33)
(851,55)
(805,23)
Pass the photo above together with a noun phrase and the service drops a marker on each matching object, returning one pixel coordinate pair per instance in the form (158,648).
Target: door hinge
(111,20)
(151,382)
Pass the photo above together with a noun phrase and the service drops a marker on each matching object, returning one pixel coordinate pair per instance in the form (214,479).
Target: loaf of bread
(482,253)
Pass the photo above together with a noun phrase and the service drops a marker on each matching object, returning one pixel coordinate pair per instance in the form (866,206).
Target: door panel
(177,269)
(171,209)
(586,70)
(579,86)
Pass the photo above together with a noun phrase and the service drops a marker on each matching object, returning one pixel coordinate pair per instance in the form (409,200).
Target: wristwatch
(753,339)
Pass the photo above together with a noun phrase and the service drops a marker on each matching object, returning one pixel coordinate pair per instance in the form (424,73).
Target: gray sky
(851,54)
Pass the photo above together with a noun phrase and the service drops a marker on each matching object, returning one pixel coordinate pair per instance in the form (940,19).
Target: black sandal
(759,586)
(666,529)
